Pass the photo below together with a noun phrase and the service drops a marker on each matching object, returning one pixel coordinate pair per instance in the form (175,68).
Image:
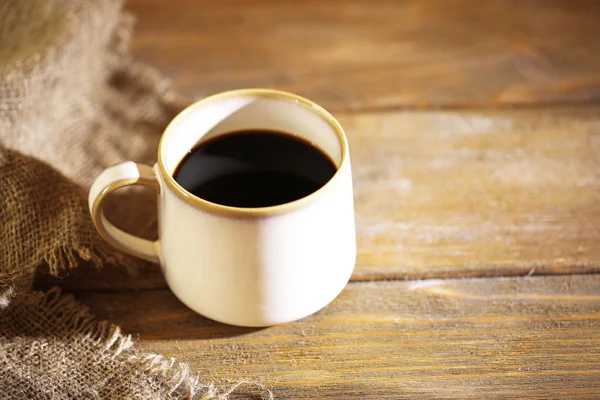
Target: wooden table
(475,135)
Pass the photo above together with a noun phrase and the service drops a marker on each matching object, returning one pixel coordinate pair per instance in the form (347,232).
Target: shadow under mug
(244,266)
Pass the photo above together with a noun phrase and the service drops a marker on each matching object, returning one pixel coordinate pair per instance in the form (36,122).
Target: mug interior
(251,109)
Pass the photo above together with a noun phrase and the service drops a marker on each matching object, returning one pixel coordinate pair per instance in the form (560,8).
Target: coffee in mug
(254,168)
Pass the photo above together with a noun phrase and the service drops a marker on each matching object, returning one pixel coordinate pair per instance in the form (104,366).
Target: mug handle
(121,175)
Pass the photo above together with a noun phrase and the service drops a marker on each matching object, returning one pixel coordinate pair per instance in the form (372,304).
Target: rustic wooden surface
(357,54)
(471,338)
(476,193)
(475,139)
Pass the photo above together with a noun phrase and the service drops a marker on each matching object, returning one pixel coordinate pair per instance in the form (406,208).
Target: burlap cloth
(73,102)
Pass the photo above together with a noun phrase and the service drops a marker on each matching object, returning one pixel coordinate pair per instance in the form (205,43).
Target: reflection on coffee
(254,168)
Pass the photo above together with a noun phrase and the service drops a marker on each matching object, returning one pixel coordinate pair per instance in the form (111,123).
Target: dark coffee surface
(254,168)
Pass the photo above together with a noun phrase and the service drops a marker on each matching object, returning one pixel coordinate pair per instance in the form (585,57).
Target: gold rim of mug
(259,211)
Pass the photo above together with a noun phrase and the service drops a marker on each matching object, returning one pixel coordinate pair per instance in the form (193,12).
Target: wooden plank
(475,338)
(476,193)
(357,55)
(458,194)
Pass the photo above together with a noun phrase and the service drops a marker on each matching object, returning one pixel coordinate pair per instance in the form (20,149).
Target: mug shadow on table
(141,305)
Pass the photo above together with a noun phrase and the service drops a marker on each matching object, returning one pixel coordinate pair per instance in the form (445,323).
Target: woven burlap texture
(73,102)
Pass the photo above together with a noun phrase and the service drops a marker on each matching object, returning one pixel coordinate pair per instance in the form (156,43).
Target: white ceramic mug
(244,266)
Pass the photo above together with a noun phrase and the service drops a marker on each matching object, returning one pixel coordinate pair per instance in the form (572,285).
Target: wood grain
(356,55)
(476,194)
(460,194)
(535,337)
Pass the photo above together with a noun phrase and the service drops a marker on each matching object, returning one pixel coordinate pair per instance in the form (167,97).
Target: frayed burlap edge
(112,342)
